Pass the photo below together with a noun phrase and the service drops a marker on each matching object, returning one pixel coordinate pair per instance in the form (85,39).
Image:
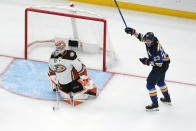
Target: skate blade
(167,103)
(151,110)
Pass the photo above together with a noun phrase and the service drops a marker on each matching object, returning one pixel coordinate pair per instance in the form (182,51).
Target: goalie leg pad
(53,81)
(66,96)
(68,91)
(84,94)
(80,97)
(88,84)
(92,92)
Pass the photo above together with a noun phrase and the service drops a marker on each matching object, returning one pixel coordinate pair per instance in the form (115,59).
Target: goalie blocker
(69,75)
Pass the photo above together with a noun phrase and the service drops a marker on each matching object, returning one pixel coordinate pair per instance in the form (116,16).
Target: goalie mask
(60,47)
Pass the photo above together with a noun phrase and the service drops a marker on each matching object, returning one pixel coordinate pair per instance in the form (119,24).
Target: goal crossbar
(66,15)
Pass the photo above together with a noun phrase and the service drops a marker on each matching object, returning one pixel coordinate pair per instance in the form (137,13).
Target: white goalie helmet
(59,47)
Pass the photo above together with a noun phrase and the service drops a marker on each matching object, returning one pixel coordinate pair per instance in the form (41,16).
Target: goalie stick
(57,99)
(57,95)
(120,13)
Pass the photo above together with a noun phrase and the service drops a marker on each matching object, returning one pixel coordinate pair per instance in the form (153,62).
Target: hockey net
(83,31)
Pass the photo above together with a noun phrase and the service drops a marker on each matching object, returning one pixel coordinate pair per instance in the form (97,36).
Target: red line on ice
(118,73)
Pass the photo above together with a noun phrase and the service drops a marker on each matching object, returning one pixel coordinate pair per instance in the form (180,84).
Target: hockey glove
(145,61)
(129,30)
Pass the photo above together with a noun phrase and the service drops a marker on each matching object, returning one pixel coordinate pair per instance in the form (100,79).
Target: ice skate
(166,99)
(153,107)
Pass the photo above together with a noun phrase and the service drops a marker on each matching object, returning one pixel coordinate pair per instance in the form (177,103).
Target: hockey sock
(152,92)
(163,88)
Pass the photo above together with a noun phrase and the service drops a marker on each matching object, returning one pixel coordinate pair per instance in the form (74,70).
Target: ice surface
(120,106)
(29,78)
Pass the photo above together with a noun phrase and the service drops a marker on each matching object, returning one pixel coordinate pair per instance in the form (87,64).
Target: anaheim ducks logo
(60,68)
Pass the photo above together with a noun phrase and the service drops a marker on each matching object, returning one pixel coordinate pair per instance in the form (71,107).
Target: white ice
(121,104)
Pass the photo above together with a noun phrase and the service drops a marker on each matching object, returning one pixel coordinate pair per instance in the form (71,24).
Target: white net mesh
(44,28)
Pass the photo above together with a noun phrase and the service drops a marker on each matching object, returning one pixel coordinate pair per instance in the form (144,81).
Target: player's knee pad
(150,87)
(154,76)
(160,84)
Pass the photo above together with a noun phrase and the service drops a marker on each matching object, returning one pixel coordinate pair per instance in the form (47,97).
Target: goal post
(75,16)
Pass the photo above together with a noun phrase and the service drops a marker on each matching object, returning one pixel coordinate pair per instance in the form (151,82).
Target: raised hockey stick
(120,13)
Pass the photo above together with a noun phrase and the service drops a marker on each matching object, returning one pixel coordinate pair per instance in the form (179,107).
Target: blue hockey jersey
(156,53)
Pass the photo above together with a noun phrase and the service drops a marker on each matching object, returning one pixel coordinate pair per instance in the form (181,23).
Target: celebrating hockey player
(68,75)
(159,60)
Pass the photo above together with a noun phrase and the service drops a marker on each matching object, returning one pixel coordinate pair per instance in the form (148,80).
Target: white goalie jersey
(68,75)
(66,66)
